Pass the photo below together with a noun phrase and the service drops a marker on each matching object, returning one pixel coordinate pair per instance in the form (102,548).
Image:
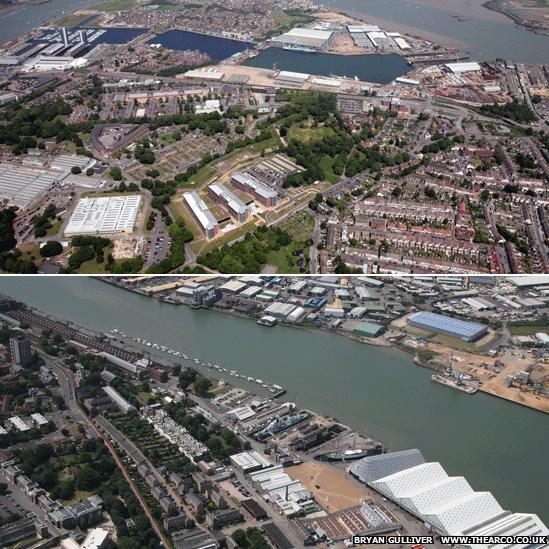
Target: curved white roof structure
(400,484)
(462,513)
(373,468)
(434,495)
(448,505)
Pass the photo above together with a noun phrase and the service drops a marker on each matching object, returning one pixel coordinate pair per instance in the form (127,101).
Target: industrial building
(294,78)
(250,462)
(306,38)
(453,327)
(447,505)
(204,74)
(232,287)
(230,201)
(279,309)
(104,215)
(119,400)
(259,191)
(22,186)
(368,329)
(461,68)
(201,214)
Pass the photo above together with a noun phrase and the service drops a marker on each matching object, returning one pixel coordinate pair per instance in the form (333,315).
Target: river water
(498,446)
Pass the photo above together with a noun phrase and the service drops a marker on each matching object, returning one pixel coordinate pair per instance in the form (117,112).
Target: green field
(283,259)
(528,329)
(309,134)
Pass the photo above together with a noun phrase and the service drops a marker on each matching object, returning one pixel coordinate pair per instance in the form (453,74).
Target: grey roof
(439,323)
(373,468)
(229,197)
(251,182)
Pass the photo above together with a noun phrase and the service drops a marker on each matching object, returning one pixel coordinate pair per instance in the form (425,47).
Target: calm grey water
(496,445)
(368,68)
(487,40)
(19,19)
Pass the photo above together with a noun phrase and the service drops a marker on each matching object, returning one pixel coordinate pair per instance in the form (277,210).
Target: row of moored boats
(271,387)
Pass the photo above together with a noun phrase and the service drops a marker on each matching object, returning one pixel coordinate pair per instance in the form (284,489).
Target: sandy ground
(495,383)
(335,491)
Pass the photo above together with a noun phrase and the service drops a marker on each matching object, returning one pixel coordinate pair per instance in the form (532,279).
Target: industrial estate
(265,137)
(112,439)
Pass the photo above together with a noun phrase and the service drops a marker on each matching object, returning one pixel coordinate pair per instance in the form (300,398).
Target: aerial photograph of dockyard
(274,274)
(350,406)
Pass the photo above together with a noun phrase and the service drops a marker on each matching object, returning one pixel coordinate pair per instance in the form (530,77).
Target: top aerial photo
(274,136)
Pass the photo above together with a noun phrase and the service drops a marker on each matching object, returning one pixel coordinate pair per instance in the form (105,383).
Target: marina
(271,387)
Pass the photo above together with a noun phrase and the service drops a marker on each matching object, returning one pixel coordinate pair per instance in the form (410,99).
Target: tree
(115,173)
(202,386)
(51,249)
(76,170)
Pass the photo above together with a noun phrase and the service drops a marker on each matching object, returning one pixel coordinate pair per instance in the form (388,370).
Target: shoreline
(542,31)
(413,353)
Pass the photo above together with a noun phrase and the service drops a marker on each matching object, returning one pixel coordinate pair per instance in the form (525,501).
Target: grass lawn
(309,134)
(300,226)
(286,21)
(143,397)
(528,330)
(54,229)
(327,165)
(283,259)
(92,267)
(204,246)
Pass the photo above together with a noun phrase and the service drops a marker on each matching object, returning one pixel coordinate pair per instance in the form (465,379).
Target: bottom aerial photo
(257,412)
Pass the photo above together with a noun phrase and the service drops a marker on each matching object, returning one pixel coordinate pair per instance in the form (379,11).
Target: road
(67,384)
(314,247)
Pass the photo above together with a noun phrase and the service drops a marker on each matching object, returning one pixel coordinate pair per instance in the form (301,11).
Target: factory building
(462,68)
(250,462)
(20,350)
(304,38)
(119,400)
(453,327)
(259,191)
(236,207)
(22,186)
(293,78)
(201,214)
(279,309)
(104,215)
(204,74)
(368,329)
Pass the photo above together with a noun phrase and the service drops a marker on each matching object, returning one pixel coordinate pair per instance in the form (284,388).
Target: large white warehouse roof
(104,214)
